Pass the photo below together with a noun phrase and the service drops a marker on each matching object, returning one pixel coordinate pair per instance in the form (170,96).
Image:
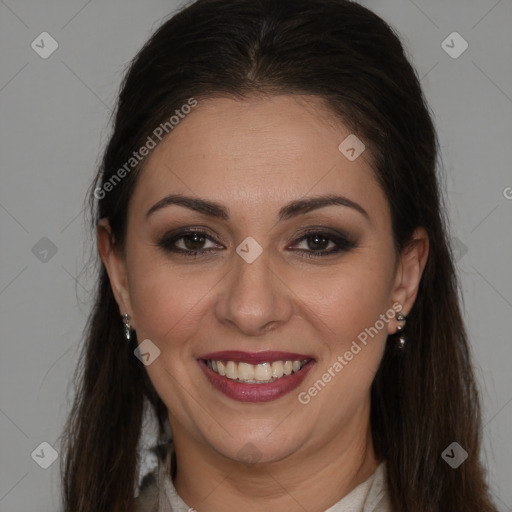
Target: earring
(402,339)
(127,329)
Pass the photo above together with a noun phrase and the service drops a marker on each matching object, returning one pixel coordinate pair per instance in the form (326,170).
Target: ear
(409,270)
(115,265)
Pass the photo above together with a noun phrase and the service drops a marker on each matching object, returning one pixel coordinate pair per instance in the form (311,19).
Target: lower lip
(244,392)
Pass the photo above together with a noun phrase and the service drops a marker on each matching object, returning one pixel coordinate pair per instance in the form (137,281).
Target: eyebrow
(292,209)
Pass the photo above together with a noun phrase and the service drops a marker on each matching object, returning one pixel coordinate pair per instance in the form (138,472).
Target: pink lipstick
(255,376)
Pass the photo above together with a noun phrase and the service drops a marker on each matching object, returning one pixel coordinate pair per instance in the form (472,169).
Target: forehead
(263,149)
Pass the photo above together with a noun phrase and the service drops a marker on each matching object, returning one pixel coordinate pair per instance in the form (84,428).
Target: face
(267,273)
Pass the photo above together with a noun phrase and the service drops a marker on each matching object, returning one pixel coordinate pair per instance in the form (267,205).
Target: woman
(276,281)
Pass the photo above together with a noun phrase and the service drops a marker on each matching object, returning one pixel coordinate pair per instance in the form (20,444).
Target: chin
(254,451)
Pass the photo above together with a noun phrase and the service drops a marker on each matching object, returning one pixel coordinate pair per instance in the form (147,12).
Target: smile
(255,377)
(262,373)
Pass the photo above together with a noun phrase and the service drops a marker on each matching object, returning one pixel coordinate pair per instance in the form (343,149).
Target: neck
(313,478)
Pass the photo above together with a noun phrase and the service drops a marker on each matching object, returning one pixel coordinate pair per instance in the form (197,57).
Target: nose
(254,299)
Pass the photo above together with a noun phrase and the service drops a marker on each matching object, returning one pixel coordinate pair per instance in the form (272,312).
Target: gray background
(54,116)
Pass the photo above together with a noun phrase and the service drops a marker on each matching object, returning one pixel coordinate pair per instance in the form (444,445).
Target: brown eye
(321,243)
(189,243)
(317,242)
(194,241)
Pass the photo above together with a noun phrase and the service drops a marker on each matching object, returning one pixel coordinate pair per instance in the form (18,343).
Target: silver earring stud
(127,329)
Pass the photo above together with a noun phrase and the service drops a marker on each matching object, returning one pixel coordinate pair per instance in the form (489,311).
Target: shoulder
(378,499)
(147,500)
(149,490)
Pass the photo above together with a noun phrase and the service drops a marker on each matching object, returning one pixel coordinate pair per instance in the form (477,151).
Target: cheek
(346,309)
(169,304)
(347,298)
(167,299)
(345,304)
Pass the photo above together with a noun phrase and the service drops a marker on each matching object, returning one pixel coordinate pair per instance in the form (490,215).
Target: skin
(253,157)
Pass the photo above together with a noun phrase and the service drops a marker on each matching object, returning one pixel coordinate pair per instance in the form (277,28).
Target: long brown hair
(424,397)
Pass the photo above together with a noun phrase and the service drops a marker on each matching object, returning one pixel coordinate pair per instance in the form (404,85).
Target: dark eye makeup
(319,241)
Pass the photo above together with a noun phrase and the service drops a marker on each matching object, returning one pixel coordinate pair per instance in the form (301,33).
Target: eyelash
(342,242)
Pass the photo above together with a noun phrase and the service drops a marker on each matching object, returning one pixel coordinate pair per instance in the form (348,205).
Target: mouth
(255,377)
(262,373)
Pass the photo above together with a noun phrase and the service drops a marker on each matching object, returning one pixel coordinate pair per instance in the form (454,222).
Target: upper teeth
(255,373)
